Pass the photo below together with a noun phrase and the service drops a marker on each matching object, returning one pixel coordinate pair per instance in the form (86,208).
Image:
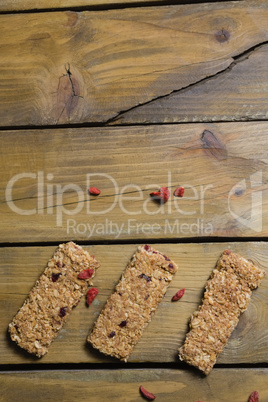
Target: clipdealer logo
(131,199)
(252,216)
(50,201)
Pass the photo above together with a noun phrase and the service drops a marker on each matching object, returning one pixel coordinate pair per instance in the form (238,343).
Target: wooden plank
(20,267)
(45,176)
(123,385)
(23,5)
(239,93)
(76,67)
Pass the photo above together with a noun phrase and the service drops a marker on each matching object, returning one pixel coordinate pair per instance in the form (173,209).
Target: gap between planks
(194,240)
(105,6)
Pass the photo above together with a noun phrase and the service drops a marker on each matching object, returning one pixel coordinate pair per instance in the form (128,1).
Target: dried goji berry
(86,274)
(91,294)
(178,295)
(179,192)
(94,191)
(148,395)
(162,195)
(254,397)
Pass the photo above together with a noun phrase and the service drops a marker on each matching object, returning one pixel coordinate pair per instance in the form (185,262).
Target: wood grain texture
(20,267)
(19,5)
(76,67)
(238,93)
(123,385)
(45,176)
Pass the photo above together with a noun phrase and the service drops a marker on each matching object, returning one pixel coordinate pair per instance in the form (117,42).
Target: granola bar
(129,309)
(227,295)
(52,298)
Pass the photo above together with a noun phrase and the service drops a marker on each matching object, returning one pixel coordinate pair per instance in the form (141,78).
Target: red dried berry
(179,192)
(62,312)
(111,334)
(123,324)
(147,248)
(86,274)
(91,294)
(94,191)
(148,395)
(178,295)
(254,397)
(162,195)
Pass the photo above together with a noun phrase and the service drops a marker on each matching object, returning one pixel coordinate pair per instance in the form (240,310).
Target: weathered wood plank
(239,93)
(71,67)
(123,385)
(45,176)
(19,5)
(20,267)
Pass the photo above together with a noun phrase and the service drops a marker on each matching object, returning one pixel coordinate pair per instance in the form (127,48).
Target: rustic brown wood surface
(222,166)
(77,67)
(95,93)
(168,385)
(168,327)
(237,93)
(17,5)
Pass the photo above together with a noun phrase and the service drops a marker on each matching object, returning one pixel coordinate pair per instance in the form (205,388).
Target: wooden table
(128,97)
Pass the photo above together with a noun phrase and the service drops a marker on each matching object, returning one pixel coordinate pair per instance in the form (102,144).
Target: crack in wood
(239,58)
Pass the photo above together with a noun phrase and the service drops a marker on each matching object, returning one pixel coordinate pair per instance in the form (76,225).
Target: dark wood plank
(123,385)
(20,267)
(76,67)
(239,93)
(45,177)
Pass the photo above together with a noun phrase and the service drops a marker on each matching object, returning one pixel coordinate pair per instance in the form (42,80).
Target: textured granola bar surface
(52,298)
(227,295)
(129,309)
